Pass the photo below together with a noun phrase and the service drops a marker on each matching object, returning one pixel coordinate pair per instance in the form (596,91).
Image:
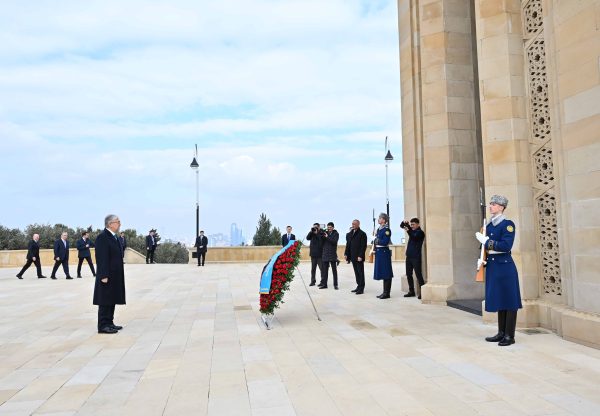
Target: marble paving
(193,344)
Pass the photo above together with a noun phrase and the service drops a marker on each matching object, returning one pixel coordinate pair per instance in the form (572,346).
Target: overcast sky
(289,101)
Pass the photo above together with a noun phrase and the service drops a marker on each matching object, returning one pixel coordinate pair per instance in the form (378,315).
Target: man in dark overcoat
(201,248)
(150,246)
(356,246)
(382,269)
(33,256)
(316,251)
(330,241)
(502,292)
(109,289)
(83,252)
(61,255)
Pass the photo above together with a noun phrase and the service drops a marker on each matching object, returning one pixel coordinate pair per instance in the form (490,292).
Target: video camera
(405,225)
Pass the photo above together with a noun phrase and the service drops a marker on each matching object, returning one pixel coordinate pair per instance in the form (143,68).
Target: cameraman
(330,241)
(316,251)
(416,236)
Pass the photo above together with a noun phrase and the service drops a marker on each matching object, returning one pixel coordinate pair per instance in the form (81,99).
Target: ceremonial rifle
(372,252)
(479,276)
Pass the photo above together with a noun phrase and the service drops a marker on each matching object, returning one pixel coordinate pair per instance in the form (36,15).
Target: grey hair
(384,216)
(109,218)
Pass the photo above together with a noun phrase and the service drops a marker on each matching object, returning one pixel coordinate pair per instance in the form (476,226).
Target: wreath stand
(267,319)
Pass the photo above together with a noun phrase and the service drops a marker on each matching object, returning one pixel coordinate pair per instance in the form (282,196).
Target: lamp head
(194,165)
(389,157)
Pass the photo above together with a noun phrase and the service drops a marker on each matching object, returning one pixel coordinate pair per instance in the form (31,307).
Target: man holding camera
(330,241)
(316,251)
(416,236)
(356,246)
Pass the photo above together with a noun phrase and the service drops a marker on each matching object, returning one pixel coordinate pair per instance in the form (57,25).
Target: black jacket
(84,251)
(202,241)
(123,241)
(149,244)
(415,243)
(109,263)
(33,250)
(330,246)
(316,244)
(284,239)
(60,251)
(356,245)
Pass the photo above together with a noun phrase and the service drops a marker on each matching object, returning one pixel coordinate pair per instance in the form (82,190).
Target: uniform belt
(382,246)
(497,252)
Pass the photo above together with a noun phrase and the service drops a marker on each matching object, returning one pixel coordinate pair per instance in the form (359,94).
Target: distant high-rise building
(235,235)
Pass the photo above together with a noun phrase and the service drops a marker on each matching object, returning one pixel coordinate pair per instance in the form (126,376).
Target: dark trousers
(507,322)
(325,273)
(106,316)
(65,265)
(89,260)
(150,255)
(413,263)
(201,257)
(37,263)
(359,274)
(314,263)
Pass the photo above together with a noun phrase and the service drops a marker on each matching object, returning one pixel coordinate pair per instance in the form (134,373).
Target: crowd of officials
(502,293)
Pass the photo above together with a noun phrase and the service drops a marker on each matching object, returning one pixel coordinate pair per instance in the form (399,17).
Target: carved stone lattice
(532,16)
(548,241)
(538,90)
(544,169)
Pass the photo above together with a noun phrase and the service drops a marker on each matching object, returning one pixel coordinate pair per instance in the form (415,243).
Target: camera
(405,224)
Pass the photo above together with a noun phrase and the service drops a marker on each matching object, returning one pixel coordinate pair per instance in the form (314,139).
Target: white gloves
(481,238)
(480,263)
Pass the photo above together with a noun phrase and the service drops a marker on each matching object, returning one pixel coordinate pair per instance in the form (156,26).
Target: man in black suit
(61,255)
(83,252)
(286,238)
(109,289)
(33,256)
(416,236)
(316,251)
(150,246)
(356,246)
(123,241)
(201,248)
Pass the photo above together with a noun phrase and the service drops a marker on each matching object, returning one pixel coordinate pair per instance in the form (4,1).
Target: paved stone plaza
(193,344)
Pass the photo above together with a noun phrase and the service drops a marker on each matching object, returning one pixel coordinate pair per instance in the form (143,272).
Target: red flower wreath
(283,274)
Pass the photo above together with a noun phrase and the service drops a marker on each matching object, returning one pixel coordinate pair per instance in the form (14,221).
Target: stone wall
(17,258)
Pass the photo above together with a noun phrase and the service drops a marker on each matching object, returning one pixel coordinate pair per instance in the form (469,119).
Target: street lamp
(194,165)
(388,159)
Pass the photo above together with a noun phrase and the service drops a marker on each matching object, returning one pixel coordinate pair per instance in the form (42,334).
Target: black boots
(501,324)
(387,287)
(507,324)
(509,331)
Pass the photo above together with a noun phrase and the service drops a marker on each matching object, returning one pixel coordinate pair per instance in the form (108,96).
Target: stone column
(505,129)
(442,170)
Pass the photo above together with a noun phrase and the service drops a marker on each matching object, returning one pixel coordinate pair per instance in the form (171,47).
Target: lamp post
(194,165)
(388,159)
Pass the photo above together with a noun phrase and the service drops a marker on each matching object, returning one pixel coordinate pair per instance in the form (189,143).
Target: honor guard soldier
(502,292)
(383,256)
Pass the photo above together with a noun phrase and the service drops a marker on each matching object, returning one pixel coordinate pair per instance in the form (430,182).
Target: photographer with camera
(316,251)
(416,236)
(330,241)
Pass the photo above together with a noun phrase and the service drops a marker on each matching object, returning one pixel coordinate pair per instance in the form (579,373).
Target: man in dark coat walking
(356,246)
(33,256)
(316,251)
(109,289)
(83,252)
(150,246)
(330,241)
(61,255)
(201,248)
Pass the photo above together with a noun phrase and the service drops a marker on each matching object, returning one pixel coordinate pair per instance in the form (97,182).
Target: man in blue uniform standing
(502,292)
(382,269)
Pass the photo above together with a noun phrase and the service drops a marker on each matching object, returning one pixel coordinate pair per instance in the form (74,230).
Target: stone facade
(505,95)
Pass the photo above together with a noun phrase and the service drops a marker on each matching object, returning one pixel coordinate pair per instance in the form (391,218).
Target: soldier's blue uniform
(501,276)
(382,269)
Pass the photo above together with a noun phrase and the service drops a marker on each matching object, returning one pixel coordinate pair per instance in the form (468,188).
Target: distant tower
(235,235)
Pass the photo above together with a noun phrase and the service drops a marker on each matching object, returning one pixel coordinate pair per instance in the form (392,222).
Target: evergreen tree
(275,237)
(262,237)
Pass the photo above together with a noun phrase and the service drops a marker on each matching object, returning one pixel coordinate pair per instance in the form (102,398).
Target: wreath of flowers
(283,274)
